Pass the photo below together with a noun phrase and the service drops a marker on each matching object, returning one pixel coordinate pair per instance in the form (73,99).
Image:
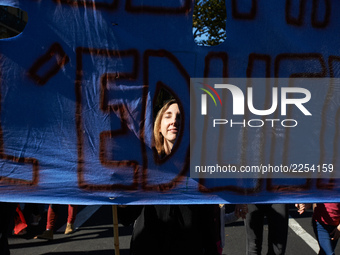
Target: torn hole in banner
(167,121)
(12,21)
(209,21)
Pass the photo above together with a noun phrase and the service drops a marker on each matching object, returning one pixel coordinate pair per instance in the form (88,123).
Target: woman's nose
(176,121)
(173,121)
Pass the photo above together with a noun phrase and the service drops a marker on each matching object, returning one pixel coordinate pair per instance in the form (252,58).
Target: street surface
(94,235)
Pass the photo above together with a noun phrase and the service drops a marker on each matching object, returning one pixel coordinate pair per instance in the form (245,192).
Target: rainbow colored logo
(204,98)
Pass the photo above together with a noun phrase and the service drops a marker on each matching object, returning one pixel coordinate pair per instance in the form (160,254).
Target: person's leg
(254,229)
(33,213)
(20,224)
(6,215)
(52,215)
(322,233)
(72,213)
(277,215)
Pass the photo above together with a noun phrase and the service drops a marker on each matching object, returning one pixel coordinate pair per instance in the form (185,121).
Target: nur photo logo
(239,99)
(240,125)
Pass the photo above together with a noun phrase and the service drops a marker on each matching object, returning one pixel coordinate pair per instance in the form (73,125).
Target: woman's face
(170,123)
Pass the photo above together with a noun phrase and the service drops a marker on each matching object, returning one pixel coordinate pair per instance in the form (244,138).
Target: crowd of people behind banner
(191,229)
(188,229)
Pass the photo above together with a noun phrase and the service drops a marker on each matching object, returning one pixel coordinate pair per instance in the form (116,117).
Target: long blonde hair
(159,139)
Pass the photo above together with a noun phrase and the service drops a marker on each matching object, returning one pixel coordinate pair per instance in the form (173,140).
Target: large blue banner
(79,86)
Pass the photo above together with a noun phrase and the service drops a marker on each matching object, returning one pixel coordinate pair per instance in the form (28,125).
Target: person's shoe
(47,234)
(21,233)
(69,228)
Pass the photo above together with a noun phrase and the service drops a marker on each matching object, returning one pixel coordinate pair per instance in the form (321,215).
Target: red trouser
(19,221)
(53,213)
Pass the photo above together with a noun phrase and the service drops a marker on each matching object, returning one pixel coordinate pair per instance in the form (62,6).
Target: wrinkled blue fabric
(78,87)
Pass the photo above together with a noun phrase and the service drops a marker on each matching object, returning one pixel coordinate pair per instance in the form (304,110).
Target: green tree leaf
(209,19)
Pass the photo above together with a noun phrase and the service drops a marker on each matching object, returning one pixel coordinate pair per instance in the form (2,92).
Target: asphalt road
(94,235)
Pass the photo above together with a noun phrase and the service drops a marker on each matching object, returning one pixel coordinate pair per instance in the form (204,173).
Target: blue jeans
(322,233)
